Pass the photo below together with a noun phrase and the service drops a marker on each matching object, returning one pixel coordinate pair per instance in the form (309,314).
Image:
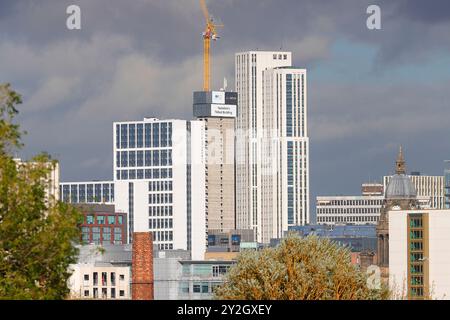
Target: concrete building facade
(431,187)
(272,146)
(218,109)
(159,178)
(418,251)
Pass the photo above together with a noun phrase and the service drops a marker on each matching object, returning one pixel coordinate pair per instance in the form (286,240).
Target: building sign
(218,97)
(223,110)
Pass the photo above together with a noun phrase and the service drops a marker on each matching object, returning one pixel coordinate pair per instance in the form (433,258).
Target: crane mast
(208,34)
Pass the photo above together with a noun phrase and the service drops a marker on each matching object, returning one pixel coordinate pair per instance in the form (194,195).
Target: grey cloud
(143,57)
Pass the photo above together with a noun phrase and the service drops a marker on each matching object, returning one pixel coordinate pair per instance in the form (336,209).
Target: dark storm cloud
(143,58)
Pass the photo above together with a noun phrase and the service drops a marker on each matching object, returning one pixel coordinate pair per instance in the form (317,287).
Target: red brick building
(102,225)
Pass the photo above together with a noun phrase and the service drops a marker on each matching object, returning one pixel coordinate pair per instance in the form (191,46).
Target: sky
(369,91)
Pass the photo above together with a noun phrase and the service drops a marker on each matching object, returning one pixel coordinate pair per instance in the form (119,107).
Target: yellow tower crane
(208,34)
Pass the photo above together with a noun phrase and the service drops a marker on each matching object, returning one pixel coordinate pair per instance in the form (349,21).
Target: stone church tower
(400,194)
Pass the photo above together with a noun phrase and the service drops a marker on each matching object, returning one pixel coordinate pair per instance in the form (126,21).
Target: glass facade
(89,192)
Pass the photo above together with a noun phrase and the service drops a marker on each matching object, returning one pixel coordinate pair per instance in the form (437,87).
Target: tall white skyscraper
(272,145)
(159,179)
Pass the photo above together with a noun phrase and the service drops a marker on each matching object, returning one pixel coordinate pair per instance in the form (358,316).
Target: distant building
(400,195)
(358,238)
(102,272)
(218,111)
(229,241)
(52,182)
(419,259)
(447,184)
(272,144)
(159,179)
(102,224)
(92,192)
(429,187)
(359,210)
(176,277)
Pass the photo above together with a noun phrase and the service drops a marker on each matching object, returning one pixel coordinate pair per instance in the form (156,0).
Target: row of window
(348,203)
(161,224)
(162,236)
(104,279)
(160,198)
(87,193)
(103,293)
(160,211)
(147,158)
(104,219)
(159,186)
(347,219)
(140,174)
(348,210)
(140,135)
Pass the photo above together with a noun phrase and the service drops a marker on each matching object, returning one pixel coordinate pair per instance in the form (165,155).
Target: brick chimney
(142,266)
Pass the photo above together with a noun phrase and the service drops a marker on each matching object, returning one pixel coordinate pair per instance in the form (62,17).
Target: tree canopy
(37,232)
(308,268)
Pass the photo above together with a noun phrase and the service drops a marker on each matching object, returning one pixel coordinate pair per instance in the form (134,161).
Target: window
(95,293)
(184,287)
(95,279)
(86,293)
(113,278)
(100,219)
(220,270)
(122,277)
(104,293)
(104,279)
(196,288)
(122,293)
(111,220)
(120,220)
(113,293)
(90,219)
(86,277)
(205,287)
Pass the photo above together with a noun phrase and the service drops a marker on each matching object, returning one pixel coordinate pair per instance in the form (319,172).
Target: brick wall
(142,266)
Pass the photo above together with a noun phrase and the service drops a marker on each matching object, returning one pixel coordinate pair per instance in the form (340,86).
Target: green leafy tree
(37,233)
(308,268)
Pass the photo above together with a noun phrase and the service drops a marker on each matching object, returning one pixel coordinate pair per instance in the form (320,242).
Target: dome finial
(400,163)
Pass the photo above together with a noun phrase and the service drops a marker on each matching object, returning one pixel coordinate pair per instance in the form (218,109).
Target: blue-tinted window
(156,158)
(118,158)
(117,136)
(124,159)
(132,136)
(106,193)
(98,192)
(90,193)
(148,135)
(132,174)
(82,193)
(164,158)
(140,174)
(132,158)
(124,136)
(289,105)
(124,174)
(163,134)
(148,158)
(148,173)
(156,174)
(156,135)
(74,193)
(140,135)
(140,159)
(169,135)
